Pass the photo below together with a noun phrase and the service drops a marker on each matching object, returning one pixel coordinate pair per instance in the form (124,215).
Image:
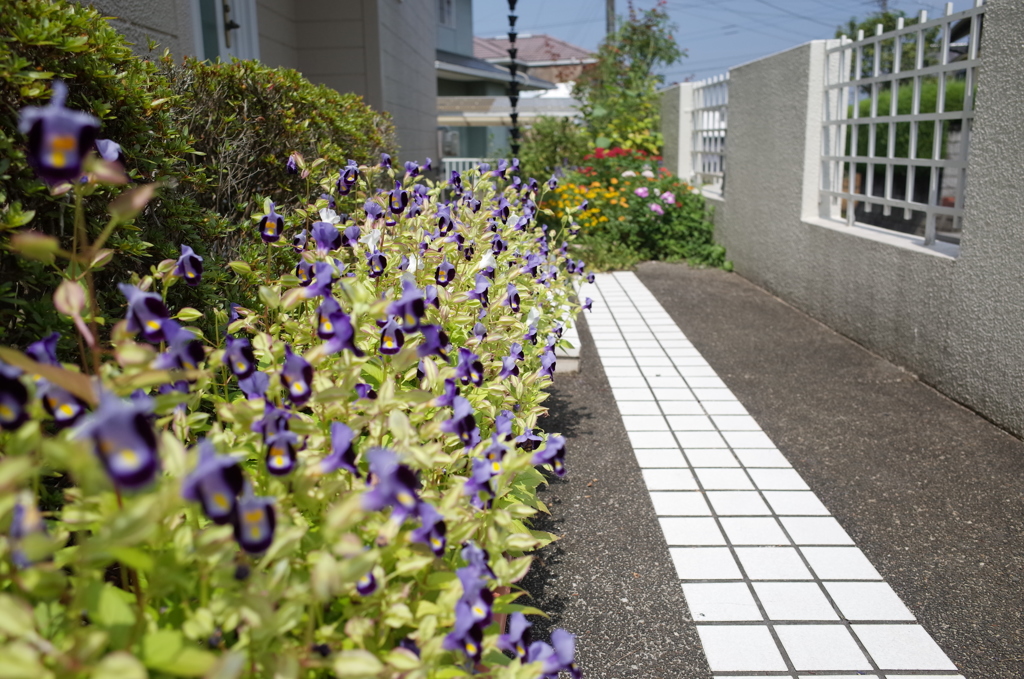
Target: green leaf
(357,663)
(16,619)
(111,609)
(188,314)
(119,665)
(240,268)
(20,661)
(167,651)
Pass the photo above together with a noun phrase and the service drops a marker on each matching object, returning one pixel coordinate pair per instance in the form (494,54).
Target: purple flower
(435,341)
(271,226)
(642,192)
(58,138)
(347,178)
(344,334)
(323,279)
(462,423)
(531,335)
(343,455)
(432,529)
(518,637)
(254,522)
(512,300)
(185,351)
(377,263)
(564,644)
(365,391)
(480,331)
(299,240)
(304,272)
(13,398)
(296,377)
(476,594)
(65,408)
(467,636)
(26,520)
(552,183)
(480,290)
(479,482)
(498,245)
(508,368)
(398,199)
(395,486)
(43,351)
(495,453)
(331,204)
(292,165)
(215,483)
(412,168)
(391,338)
(409,308)
(123,440)
(445,273)
(385,161)
(373,210)
(350,236)
(326,236)
(547,364)
(147,313)
(455,180)
(430,296)
(451,390)
(281,453)
(469,368)
(588,304)
(274,420)
(669,198)
(255,386)
(109,150)
(552,453)
(239,357)
(503,424)
(656,209)
(366,584)
(591,278)
(528,441)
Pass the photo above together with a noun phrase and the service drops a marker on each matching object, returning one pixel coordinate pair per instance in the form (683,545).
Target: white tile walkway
(776,586)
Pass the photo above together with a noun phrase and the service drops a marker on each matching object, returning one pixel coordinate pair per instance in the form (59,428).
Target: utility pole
(609,17)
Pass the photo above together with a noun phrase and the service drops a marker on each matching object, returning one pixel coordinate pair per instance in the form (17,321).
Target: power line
(798,16)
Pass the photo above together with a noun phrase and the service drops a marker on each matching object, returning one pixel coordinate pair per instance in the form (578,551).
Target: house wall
(955,319)
(168,22)
(457,39)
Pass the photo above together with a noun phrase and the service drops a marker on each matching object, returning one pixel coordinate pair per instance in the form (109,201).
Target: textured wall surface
(168,22)
(956,322)
(457,38)
(671,128)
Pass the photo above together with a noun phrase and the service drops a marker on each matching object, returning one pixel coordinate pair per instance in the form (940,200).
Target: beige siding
(168,23)
(278,33)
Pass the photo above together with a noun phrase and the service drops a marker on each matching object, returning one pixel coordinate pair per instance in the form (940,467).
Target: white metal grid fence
(710,108)
(461,165)
(897,121)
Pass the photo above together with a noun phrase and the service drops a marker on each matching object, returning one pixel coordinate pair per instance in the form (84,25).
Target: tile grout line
(628,298)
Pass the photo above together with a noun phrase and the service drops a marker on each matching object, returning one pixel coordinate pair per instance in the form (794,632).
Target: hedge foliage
(165,117)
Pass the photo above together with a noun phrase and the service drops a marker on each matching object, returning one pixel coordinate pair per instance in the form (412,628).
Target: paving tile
(644,423)
(662,371)
(736,423)
(690,369)
(723,479)
(617,382)
(761,457)
(902,647)
(821,647)
(691,531)
(728,407)
(684,503)
(777,479)
(815,530)
(909,676)
(748,439)
(772,563)
(753,531)
(682,407)
(608,353)
(649,352)
(632,394)
(690,423)
(611,345)
(706,383)
(711,457)
(663,394)
(621,371)
(794,601)
(720,601)
(868,601)
(652,361)
(714,395)
(740,648)
(700,439)
(669,479)
(738,503)
(652,439)
(840,563)
(660,458)
(795,503)
(704,563)
(619,362)
(637,407)
(665,381)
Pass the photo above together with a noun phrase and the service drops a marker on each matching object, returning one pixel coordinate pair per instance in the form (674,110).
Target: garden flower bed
(335,479)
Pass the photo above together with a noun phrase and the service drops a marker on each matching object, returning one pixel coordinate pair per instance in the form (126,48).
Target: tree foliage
(618,94)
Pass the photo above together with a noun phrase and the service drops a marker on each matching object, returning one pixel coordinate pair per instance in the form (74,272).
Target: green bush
(552,144)
(165,118)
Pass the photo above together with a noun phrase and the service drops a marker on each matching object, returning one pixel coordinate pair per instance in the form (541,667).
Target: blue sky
(717,34)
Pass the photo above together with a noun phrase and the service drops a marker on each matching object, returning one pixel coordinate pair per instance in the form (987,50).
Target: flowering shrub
(635,214)
(337,480)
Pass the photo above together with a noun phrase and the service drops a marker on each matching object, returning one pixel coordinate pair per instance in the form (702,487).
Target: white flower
(629,173)
(414,264)
(371,240)
(648,174)
(487,260)
(328,215)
